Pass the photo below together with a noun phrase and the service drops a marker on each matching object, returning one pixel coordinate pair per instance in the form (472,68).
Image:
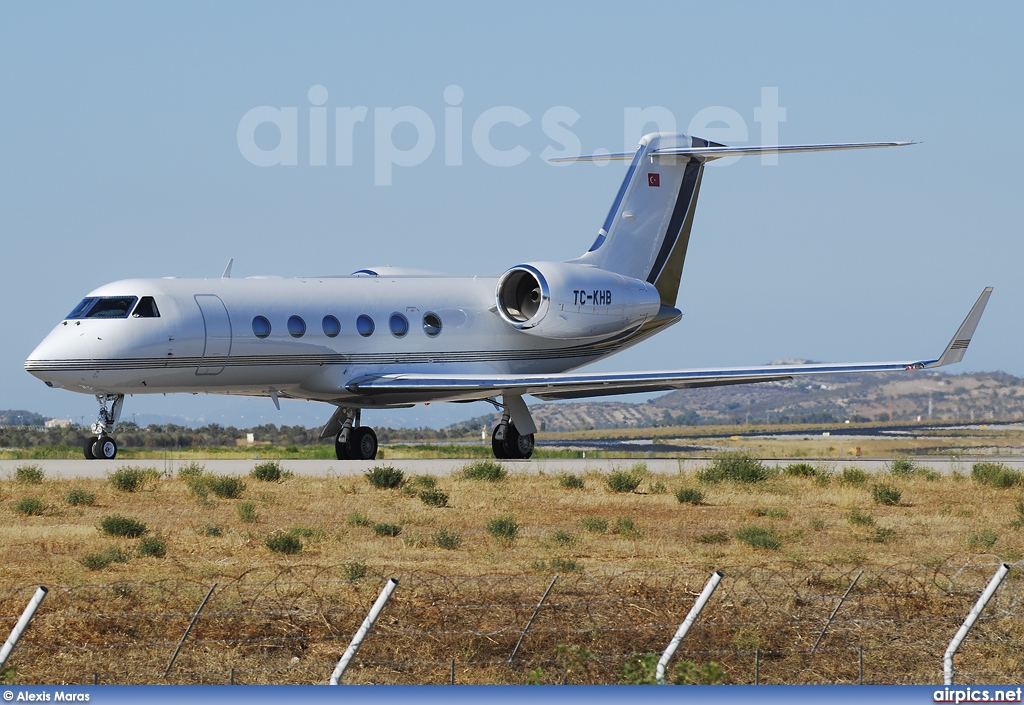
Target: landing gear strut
(353,442)
(102,446)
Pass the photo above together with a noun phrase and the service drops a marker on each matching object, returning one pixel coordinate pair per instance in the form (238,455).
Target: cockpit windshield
(103,307)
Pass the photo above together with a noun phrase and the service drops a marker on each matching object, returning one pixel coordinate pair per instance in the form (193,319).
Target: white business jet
(385,337)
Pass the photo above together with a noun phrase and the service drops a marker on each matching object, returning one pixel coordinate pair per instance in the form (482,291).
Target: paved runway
(348,468)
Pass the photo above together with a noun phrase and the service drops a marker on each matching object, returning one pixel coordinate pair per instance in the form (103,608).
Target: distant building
(59,423)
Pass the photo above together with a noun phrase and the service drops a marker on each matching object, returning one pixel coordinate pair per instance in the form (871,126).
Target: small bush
(503,528)
(770,513)
(77,497)
(191,470)
(716,537)
(132,479)
(354,570)
(759,537)
(484,470)
(29,506)
(626,527)
(269,471)
(883,534)
(358,519)
(384,529)
(226,487)
(101,559)
(286,543)
(623,481)
(858,518)
(247,512)
(595,525)
(565,565)
(996,475)
(734,466)
(563,537)
(886,494)
(213,530)
(428,482)
(448,540)
(986,539)
(902,466)
(689,495)
(385,477)
(642,669)
(800,470)
(29,474)
(153,547)
(434,498)
(570,482)
(117,525)
(853,476)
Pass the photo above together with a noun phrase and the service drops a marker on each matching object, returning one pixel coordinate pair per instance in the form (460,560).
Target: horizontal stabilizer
(719,151)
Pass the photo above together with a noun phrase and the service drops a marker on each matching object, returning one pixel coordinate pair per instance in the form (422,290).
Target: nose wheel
(101,446)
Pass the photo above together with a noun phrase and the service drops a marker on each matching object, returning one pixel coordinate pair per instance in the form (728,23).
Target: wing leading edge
(427,387)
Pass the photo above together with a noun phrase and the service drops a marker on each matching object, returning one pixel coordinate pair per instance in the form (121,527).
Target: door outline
(216,332)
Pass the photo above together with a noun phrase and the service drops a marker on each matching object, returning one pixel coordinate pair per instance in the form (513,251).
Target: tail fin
(647,230)
(648,227)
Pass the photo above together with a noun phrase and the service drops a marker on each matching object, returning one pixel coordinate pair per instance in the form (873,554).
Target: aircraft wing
(573,385)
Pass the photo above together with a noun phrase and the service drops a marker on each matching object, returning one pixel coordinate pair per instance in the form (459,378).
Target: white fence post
(695,611)
(357,640)
(26,617)
(972,617)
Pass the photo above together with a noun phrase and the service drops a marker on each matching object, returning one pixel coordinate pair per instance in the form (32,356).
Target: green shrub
(996,475)
(853,476)
(385,477)
(759,537)
(642,669)
(247,512)
(623,481)
(565,565)
(385,529)
(191,470)
(595,525)
(117,525)
(358,519)
(132,479)
(770,513)
(734,466)
(570,482)
(101,559)
(153,547)
(30,474)
(225,487)
(716,537)
(858,518)
(626,527)
(77,497)
(503,528)
(287,543)
(425,481)
(29,506)
(213,530)
(563,537)
(986,539)
(883,534)
(484,470)
(689,495)
(658,488)
(800,470)
(434,498)
(902,466)
(268,471)
(354,570)
(886,494)
(448,540)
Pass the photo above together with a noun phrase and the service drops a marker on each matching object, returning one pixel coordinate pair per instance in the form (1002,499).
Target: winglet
(958,345)
(227,270)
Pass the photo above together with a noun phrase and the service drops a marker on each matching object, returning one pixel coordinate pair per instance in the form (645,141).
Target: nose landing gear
(102,446)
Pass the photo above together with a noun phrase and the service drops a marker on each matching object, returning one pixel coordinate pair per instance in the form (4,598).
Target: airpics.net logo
(408,136)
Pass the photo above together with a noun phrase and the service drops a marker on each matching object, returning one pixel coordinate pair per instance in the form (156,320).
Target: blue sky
(120,155)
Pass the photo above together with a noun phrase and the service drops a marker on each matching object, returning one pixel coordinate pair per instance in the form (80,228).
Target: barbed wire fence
(760,626)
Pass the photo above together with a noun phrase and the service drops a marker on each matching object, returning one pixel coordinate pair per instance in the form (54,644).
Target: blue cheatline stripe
(675,224)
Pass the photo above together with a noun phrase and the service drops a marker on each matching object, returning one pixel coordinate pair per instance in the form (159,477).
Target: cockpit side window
(82,308)
(146,308)
(111,307)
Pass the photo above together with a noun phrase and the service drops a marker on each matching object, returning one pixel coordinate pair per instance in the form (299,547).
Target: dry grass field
(298,561)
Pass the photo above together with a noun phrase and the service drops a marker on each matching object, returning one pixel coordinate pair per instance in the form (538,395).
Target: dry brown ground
(283,619)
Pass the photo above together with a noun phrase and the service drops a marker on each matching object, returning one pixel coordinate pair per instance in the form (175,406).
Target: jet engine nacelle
(564,300)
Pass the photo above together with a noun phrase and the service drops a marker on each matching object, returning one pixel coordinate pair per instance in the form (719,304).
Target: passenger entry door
(218,334)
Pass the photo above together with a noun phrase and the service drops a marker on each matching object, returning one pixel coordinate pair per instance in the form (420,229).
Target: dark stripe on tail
(675,224)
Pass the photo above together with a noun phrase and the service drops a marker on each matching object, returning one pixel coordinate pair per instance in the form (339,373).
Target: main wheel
(363,444)
(88,447)
(498,446)
(517,447)
(341,449)
(104,448)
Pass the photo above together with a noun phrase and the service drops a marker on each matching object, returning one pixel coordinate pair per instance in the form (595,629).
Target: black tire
(88,447)
(498,446)
(341,449)
(363,444)
(517,447)
(104,448)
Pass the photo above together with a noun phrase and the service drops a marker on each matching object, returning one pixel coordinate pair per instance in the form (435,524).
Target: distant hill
(825,399)
(20,417)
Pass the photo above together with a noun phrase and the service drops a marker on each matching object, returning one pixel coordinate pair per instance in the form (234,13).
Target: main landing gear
(352,442)
(101,446)
(507,442)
